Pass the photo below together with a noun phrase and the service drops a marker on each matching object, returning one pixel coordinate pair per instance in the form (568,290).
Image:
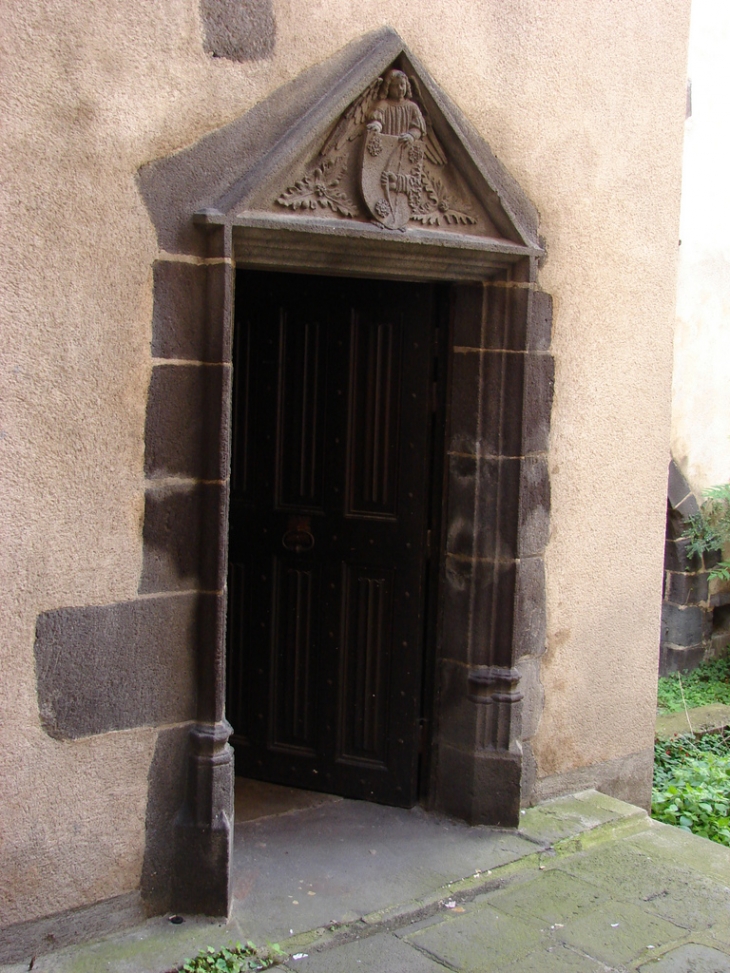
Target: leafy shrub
(709,530)
(692,785)
(236,959)
(708,683)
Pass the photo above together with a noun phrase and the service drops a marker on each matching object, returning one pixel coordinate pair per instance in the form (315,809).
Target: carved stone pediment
(385,156)
(383,162)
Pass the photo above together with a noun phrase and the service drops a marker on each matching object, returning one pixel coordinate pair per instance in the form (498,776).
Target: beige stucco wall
(582,100)
(700,412)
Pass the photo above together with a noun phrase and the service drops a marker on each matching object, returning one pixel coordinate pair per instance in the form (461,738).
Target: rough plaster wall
(583,102)
(700,412)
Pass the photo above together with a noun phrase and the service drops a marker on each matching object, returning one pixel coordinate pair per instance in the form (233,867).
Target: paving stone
(151,948)
(676,892)
(482,941)
(553,897)
(690,958)
(695,904)
(663,842)
(619,933)
(650,873)
(568,816)
(555,959)
(368,955)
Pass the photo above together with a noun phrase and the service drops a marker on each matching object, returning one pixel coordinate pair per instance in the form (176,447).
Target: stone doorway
(490,630)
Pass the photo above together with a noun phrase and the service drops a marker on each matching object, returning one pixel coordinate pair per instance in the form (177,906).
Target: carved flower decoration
(439,207)
(382,209)
(375,145)
(414,200)
(415,153)
(320,187)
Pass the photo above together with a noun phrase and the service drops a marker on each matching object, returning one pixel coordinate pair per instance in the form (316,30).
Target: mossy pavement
(587,884)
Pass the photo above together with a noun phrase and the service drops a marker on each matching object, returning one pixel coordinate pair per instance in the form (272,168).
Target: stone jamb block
(188,418)
(539,386)
(184,537)
(188,317)
(534,523)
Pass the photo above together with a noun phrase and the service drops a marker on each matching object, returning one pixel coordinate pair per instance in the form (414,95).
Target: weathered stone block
(167,780)
(530,631)
(685,626)
(539,321)
(534,526)
(481,788)
(467,310)
(678,658)
(478,611)
(492,316)
(204,827)
(686,589)
(539,381)
(491,425)
(240,30)
(677,557)
(185,538)
(186,430)
(190,311)
(483,507)
(533,695)
(457,715)
(678,489)
(113,667)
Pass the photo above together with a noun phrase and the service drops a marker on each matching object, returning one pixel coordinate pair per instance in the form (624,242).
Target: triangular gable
(330,171)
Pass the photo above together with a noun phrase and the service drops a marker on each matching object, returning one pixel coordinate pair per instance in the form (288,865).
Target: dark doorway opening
(337,468)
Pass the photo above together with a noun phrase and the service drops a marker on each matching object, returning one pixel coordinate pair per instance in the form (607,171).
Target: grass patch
(692,784)
(234,959)
(708,683)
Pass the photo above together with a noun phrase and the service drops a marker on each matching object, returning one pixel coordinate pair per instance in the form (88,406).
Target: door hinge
(428,543)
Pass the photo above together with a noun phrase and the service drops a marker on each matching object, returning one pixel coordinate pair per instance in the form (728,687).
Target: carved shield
(392,173)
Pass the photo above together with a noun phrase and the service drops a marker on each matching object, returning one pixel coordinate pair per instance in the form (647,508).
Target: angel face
(398,86)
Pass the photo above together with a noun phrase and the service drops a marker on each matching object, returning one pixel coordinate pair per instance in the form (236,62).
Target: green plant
(692,785)
(234,959)
(709,529)
(708,683)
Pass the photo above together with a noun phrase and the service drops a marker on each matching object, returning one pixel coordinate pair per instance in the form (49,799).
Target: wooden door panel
(329,515)
(294,641)
(243,397)
(367,610)
(301,428)
(374,416)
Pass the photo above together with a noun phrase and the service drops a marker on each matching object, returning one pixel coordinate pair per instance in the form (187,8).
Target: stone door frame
(496,513)
(491,584)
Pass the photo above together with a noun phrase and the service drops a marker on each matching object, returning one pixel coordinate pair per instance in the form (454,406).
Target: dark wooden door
(328,531)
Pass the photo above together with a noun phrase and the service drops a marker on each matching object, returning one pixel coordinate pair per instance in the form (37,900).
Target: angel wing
(431,146)
(352,123)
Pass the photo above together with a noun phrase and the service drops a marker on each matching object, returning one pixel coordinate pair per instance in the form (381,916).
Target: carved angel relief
(400,162)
